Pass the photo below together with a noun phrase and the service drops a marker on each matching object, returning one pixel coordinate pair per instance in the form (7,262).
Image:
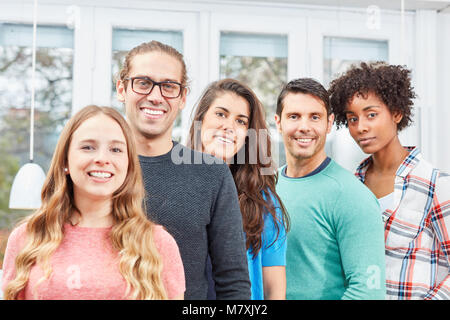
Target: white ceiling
(440,5)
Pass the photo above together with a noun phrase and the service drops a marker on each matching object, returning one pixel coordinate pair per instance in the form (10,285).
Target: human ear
(120,88)
(397,116)
(330,122)
(278,122)
(183,98)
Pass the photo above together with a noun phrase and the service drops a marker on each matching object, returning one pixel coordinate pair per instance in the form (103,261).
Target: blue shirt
(271,253)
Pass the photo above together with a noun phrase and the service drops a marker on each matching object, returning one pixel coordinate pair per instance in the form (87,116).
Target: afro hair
(390,83)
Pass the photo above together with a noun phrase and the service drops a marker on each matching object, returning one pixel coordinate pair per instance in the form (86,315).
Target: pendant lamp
(27,185)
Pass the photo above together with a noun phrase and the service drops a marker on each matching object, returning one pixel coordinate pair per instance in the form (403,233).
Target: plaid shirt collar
(403,170)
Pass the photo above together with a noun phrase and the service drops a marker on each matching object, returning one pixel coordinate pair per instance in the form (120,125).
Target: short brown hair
(306,86)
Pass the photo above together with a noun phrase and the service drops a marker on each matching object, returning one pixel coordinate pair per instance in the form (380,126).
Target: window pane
(53,101)
(124,40)
(259,61)
(339,54)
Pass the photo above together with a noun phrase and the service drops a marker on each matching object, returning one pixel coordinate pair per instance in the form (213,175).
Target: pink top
(86,267)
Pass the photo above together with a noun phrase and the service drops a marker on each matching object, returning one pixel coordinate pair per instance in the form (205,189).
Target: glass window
(124,40)
(260,61)
(53,102)
(339,54)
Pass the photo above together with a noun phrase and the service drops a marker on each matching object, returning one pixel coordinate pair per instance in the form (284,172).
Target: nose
(303,125)
(229,125)
(102,157)
(362,125)
(155,96)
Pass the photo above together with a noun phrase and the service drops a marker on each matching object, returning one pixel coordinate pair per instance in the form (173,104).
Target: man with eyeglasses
(196,203)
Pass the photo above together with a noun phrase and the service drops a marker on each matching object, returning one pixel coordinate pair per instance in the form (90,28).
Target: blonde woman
(91,239)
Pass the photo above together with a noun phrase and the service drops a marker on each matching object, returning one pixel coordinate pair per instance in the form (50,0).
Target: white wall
(442,116)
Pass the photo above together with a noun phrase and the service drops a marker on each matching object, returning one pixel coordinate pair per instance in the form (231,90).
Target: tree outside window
(53,100)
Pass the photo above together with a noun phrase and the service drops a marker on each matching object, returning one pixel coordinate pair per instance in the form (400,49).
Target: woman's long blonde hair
(131,234)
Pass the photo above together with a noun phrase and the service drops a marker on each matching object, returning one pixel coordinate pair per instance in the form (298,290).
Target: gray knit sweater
(194,197)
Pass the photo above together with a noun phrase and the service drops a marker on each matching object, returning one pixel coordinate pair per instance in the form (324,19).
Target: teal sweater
(335,248)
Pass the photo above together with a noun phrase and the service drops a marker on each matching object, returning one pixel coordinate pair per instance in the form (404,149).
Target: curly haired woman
(375,102)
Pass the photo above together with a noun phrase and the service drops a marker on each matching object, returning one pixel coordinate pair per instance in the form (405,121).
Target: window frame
(344,24)
(106,20)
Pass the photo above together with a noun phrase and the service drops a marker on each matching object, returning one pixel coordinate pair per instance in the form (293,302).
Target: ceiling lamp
(27,185)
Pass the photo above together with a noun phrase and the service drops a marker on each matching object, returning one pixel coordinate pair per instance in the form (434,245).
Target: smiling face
(152,116)
(225,126)
(370,122)
(97,158)
(304,125)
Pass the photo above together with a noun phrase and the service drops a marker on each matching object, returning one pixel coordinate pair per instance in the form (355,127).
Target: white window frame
(292,27)
(352,24)
(106,19)
(49,15)
(201,23)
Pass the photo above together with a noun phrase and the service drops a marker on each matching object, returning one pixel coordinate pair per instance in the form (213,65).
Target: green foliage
(53,105)
(264,75)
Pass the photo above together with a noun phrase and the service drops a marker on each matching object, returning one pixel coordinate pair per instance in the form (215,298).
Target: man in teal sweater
(335,248)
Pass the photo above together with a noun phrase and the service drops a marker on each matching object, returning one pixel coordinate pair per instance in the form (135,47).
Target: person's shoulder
(164,241)
(341,175)
(17,236)
(346,182)
(269,196)
(441,180)
(425,170)
(19,232)
(161,236)
(444,176)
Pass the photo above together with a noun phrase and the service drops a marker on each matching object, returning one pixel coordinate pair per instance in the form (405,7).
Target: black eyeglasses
(145,85)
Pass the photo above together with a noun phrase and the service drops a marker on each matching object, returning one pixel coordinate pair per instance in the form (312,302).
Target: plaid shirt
(417,230)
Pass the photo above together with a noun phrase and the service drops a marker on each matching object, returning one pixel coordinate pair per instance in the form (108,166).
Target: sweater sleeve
(227,244)
(173,272)
(14,245)
(360,236)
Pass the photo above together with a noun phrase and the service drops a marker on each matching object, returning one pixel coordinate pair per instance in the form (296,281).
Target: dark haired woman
(229,124)
(375,102)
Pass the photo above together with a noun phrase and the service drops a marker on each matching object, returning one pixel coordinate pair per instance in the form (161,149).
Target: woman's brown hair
(255,180)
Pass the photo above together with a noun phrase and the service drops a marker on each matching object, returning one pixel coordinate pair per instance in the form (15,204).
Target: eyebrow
(365,109)
(95,141)
(145,76)
(320,113)
(226,110)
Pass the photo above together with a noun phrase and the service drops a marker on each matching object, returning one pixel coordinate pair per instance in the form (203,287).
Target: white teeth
(304,140)
(100,174)
(224,140)
(153,112)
